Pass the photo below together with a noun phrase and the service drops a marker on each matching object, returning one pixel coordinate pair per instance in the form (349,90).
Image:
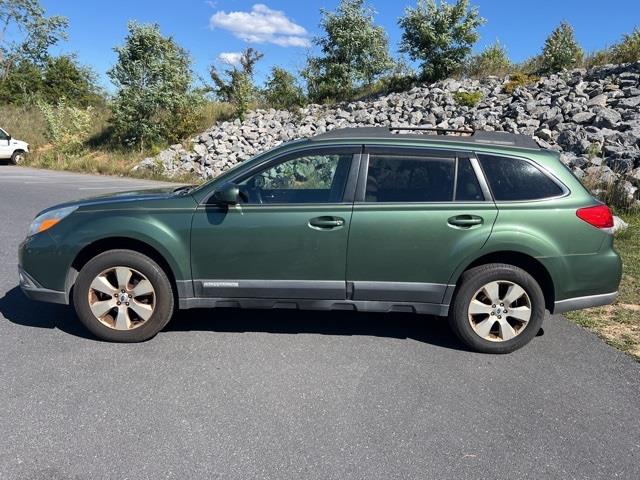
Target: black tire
(15,158)
(473,280)
(164,299)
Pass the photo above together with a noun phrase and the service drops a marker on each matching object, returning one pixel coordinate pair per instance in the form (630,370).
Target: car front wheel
(17,157)
(498,308)
(123,296)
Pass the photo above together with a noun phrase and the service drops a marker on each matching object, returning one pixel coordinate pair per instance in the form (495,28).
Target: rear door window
(512,179)
(393,178)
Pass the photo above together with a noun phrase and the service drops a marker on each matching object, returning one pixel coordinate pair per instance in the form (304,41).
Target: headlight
(49,219)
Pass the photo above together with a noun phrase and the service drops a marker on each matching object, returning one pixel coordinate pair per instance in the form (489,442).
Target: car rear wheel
(497,309)
(123,296)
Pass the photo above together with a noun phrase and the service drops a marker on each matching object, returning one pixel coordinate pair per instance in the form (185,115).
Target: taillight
(599,216)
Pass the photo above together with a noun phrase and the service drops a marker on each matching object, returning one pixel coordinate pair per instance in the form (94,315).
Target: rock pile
(592,117)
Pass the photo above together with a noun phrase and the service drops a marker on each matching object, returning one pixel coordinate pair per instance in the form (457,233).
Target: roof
(478,137)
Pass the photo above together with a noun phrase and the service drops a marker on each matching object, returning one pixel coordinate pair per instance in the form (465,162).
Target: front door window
(308,179)
(4,137)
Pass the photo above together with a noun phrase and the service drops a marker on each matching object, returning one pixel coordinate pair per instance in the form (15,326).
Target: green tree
(439,36)
(281,90)
(23,85)
(61,77)
(65,78)
(354,52)
(561,50)
(28,72)
(26,33)
(493,60)
(155,100)
(235,85)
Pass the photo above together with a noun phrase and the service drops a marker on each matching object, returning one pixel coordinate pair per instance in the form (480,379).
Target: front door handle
(326,223)
(465,221)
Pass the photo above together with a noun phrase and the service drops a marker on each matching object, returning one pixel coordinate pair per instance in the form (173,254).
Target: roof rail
(474,137)
(439,131)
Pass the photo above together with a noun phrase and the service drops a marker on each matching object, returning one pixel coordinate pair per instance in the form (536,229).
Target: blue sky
(282,29)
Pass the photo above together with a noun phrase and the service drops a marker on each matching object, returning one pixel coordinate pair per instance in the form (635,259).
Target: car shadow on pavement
(422,328)
(18,309)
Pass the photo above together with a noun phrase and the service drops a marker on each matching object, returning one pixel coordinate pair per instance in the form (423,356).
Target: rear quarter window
(516,179)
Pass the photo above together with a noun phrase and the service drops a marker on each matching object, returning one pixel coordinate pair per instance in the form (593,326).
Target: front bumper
(579,303)
(35,291)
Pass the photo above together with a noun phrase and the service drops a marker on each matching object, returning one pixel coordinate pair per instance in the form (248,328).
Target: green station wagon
(487,229)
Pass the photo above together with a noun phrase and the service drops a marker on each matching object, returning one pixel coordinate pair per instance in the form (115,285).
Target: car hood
(129,199)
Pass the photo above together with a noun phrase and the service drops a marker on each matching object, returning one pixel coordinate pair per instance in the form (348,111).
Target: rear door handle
(326,223)
(465,221)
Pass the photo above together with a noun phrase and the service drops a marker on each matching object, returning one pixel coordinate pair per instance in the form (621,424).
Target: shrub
(282,91)
(625,51)
(628,50)
(467,99)
(493,60)
(598,58)
(242,92)
(68,127)
(612,191)
(235,85)
(561,50)
(517,80)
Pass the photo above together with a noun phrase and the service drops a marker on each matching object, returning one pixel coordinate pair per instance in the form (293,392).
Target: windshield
(4,135)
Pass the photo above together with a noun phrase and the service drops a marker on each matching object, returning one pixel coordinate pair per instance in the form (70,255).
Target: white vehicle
(12,149)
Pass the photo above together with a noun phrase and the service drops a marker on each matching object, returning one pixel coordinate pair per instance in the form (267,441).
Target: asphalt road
(294,395)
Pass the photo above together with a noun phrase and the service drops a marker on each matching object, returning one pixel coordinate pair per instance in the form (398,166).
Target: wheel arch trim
(527,260)
(147,246)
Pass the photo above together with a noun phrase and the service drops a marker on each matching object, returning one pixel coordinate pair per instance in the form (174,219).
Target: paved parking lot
(286,394)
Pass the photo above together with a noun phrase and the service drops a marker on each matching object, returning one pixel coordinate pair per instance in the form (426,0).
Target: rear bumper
(34,291)
(579,303)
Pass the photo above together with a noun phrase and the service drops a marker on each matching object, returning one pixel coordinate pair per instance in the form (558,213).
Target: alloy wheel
(499,311)
(122,298)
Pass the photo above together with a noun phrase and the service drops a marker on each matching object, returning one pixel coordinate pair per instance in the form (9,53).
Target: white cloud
(262,25)
(230,58)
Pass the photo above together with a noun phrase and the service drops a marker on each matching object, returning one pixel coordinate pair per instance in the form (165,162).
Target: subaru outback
(487,229)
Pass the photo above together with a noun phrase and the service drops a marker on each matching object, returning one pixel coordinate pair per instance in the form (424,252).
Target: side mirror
(228,194)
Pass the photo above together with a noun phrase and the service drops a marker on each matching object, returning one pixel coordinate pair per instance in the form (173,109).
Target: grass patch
(619,324)
(467,99)
(517,80)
